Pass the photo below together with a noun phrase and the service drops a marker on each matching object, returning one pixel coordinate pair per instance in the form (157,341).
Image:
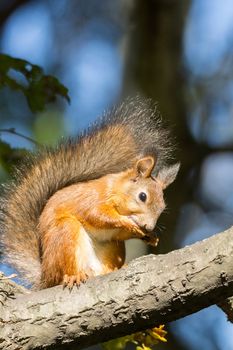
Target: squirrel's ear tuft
(168,174)
(145,166)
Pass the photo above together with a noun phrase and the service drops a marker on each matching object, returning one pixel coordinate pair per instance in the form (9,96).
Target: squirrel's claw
(151,240)
(70,281)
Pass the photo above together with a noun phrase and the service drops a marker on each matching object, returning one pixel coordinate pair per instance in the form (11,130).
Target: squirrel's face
(142,194)
(145,202)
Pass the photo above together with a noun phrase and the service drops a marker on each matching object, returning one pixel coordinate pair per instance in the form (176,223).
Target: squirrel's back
(110,145)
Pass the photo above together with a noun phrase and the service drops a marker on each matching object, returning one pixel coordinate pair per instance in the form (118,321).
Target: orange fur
(71,206)
(58,246)
(83,226)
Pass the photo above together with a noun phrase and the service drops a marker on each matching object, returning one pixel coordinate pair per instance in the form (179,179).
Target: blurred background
(177,52)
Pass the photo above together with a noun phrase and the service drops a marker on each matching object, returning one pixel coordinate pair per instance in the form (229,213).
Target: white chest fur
(86,256)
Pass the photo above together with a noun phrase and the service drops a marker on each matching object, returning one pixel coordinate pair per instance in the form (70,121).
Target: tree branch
(150,291)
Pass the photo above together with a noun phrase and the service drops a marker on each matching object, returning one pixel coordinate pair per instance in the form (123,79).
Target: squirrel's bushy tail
(110,145)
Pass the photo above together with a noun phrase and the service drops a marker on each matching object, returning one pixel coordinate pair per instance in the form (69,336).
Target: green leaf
(38,88)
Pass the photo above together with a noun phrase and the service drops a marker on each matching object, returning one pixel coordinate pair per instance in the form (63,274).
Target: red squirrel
(67,215)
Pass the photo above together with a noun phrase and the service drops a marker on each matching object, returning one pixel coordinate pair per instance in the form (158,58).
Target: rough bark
(151,290)
(227,307)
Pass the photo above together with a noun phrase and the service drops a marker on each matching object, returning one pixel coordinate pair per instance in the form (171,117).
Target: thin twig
(14,132)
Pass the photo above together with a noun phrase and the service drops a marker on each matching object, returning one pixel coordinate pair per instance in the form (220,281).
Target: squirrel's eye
(142,196)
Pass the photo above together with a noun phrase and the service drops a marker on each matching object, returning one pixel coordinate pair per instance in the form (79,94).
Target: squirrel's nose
(149,227)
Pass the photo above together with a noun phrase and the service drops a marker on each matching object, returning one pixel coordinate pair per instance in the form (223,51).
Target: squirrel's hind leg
(59,257)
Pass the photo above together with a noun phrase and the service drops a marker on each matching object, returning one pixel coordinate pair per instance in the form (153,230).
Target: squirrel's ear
(168,174)
(145,166)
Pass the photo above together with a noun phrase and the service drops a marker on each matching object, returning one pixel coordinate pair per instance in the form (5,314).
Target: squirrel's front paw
(151,240)
(70,281)
(131,226)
